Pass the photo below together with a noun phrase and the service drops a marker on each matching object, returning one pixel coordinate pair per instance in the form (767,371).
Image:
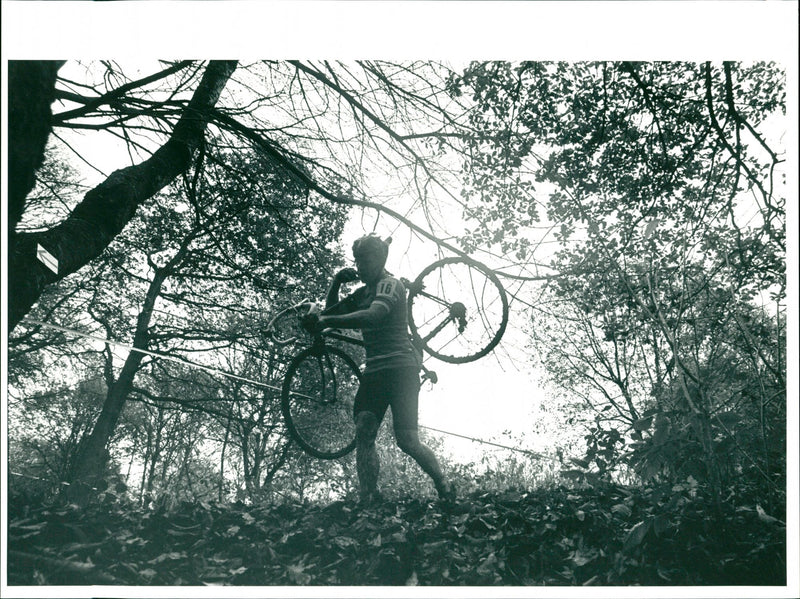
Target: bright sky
(458,30)
(445,405)
(493,399)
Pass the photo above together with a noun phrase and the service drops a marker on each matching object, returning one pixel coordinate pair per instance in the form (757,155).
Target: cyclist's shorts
(396,387)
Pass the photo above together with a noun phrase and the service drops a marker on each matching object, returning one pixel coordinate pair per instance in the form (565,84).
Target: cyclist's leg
(405,411)
(367,462)
(368,412)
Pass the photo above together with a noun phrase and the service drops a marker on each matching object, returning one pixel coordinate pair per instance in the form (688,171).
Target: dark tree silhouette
(104,210)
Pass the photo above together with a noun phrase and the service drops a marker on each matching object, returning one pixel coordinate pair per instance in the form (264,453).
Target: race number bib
(387,290)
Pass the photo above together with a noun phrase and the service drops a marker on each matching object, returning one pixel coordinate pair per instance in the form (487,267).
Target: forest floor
(557,536)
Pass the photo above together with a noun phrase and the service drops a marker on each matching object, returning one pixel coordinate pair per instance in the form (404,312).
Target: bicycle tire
(452,291)
(317,401)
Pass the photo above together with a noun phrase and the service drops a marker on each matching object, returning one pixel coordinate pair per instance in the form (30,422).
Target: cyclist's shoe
(370,500)
(447,495)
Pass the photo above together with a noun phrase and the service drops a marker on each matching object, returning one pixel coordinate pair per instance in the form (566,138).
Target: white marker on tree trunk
(47,258)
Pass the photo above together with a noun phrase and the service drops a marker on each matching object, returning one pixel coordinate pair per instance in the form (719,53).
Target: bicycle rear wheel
(457,310)
(317,401)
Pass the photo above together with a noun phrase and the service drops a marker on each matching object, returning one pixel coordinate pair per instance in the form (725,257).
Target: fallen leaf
(635,535)
(621,509)
(765,517)
(297,574)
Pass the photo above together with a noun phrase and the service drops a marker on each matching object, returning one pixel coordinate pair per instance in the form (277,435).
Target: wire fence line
(129,347)
(484,442)
(250,381)
(63,483)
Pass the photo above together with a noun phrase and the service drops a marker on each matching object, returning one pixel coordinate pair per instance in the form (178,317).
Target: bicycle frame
(319,339)
(457,311)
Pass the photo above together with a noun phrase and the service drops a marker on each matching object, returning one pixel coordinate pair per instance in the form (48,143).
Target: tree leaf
(297,573)
(660,524)
(581,463)
(581,558)
(765,517)
(621,509)
(344,542)
(635,535)
(487,565)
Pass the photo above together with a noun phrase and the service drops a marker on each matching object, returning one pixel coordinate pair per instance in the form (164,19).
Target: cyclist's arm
(345,275)
(333,292)
(367,318)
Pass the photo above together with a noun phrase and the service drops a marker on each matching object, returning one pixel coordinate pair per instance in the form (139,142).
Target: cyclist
(391,376)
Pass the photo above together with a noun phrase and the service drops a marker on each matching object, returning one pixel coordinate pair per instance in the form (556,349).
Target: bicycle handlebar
(308,306)
(303,305)
(301,309)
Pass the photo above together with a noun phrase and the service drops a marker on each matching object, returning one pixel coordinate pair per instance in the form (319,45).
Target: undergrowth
(606,535)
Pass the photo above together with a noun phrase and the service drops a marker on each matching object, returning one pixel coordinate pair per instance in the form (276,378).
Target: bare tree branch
(90,104)
(106,209)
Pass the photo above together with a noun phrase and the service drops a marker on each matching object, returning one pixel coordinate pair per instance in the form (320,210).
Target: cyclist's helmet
(372,244)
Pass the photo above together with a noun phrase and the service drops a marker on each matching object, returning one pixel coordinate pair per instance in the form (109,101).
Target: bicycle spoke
(493,302)
(443,346)
(459,292)
(318,401)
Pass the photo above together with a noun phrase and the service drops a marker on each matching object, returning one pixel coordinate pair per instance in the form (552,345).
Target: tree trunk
(31,92)
(150,468)
(106,209)
(91,462)
(222,457)
(147,451)
(89,468)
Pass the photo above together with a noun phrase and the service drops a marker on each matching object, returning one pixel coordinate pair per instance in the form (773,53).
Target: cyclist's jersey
(387,345)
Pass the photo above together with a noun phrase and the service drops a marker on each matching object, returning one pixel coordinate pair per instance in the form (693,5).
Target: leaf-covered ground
(613,536)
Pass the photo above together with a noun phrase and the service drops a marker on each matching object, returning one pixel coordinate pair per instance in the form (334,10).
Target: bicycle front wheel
(457,310)
(317,401)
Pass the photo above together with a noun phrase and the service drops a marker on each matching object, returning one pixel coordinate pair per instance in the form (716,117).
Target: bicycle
(457,313)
